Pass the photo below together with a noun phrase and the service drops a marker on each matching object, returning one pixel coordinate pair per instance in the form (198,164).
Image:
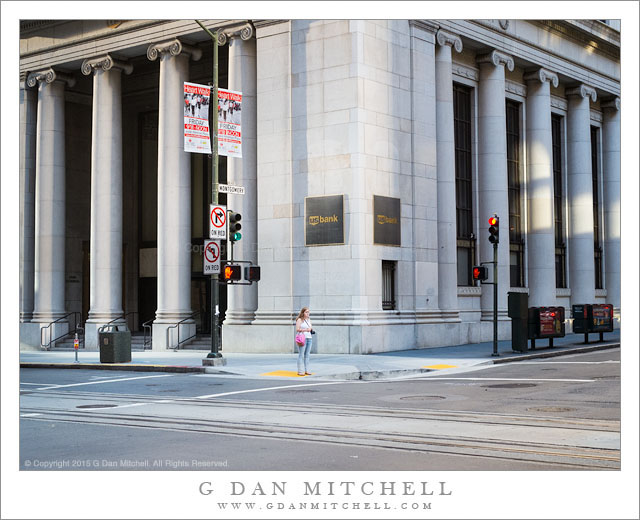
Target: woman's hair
(302,311)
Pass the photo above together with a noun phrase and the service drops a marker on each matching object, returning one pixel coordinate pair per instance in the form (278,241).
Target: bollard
(76,345)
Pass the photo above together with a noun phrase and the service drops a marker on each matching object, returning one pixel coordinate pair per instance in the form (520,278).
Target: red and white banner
(229,123)
(196,118)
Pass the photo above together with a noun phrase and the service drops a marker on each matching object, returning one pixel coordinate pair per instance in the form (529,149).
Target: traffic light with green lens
(234,226)
(494,229)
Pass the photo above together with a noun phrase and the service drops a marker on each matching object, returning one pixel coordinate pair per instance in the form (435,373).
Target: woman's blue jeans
(303,356)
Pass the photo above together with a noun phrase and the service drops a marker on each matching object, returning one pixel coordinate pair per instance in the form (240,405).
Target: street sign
(217,221)
(228,188)
(211,259)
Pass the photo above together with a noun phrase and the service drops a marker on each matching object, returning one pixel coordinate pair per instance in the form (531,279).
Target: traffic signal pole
(495,299)
(215,295)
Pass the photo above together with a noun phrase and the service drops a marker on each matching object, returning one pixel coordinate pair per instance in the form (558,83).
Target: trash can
(115,345)
(518,312)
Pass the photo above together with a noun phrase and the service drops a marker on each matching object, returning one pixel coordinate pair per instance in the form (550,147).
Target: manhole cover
(97,406)
(551,409)
(421,397)
(511,385)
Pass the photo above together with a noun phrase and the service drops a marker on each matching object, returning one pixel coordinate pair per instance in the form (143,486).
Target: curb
(117,366)
(555,353)
(361,375)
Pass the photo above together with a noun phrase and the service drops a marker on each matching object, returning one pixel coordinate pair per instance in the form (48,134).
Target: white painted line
(211,396)
(29,414)
(23,383)
(53,387)
(224,394)
(569,362)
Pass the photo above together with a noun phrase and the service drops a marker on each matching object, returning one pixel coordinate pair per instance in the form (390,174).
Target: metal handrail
(147,325)
(47,346)
(177,325)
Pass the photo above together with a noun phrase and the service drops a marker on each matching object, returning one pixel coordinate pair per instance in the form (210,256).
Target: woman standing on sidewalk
(303,324)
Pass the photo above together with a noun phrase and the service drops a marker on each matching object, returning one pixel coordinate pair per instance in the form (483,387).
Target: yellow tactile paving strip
(282,373)
(440,367)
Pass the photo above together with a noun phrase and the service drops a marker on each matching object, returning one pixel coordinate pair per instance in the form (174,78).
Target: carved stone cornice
(496,58)
(49,76)
(595,115)
(582,91)
(425,25)
(174,48)
(244,32)
(105,62)
(447,38)
(515,88)
(613,103)
(464,71)
(542,75)
(557,102)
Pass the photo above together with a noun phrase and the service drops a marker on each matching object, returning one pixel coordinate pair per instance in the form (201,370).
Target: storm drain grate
(97,406)
(511,385)
(421,397)
(551,409)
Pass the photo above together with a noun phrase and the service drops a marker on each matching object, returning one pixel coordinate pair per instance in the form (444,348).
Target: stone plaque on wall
(386,221)
(324,220)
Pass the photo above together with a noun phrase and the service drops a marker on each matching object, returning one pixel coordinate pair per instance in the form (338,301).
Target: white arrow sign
(217,221)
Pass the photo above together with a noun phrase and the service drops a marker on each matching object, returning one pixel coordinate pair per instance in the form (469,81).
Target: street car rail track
(561,456)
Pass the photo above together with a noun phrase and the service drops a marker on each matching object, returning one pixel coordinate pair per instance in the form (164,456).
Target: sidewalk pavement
(335,366)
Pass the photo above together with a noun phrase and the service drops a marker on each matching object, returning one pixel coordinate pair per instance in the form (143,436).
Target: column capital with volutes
(446,38)
(611,103)
(541,75)
(496,58)
(582,91)
(105,62)
(49,76)
(173,48)
(245,32)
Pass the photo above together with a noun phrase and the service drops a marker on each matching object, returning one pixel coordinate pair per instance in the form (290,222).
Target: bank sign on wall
(197,137)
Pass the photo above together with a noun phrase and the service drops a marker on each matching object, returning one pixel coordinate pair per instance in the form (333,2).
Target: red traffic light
(494,229)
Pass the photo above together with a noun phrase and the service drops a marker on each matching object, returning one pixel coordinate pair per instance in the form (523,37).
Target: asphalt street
(556,413)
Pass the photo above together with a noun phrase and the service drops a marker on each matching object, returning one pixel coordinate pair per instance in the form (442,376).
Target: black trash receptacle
(115,345)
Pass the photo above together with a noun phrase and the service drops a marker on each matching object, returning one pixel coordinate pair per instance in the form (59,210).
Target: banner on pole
(196,118)
(229,123)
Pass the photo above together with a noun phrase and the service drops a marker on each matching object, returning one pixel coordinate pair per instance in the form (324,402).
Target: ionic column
(174,196)
(242,302)
(28,105)
(106,194)
(611,184)
(49,256)
(580,194)
(541,234)
(445,153)
(492,171)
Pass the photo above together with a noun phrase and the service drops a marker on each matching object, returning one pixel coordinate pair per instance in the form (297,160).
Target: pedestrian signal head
(494,229)
(480,273)
(231,273)
(252,273)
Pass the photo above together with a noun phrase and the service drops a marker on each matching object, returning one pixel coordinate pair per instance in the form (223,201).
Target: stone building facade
(426,126)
